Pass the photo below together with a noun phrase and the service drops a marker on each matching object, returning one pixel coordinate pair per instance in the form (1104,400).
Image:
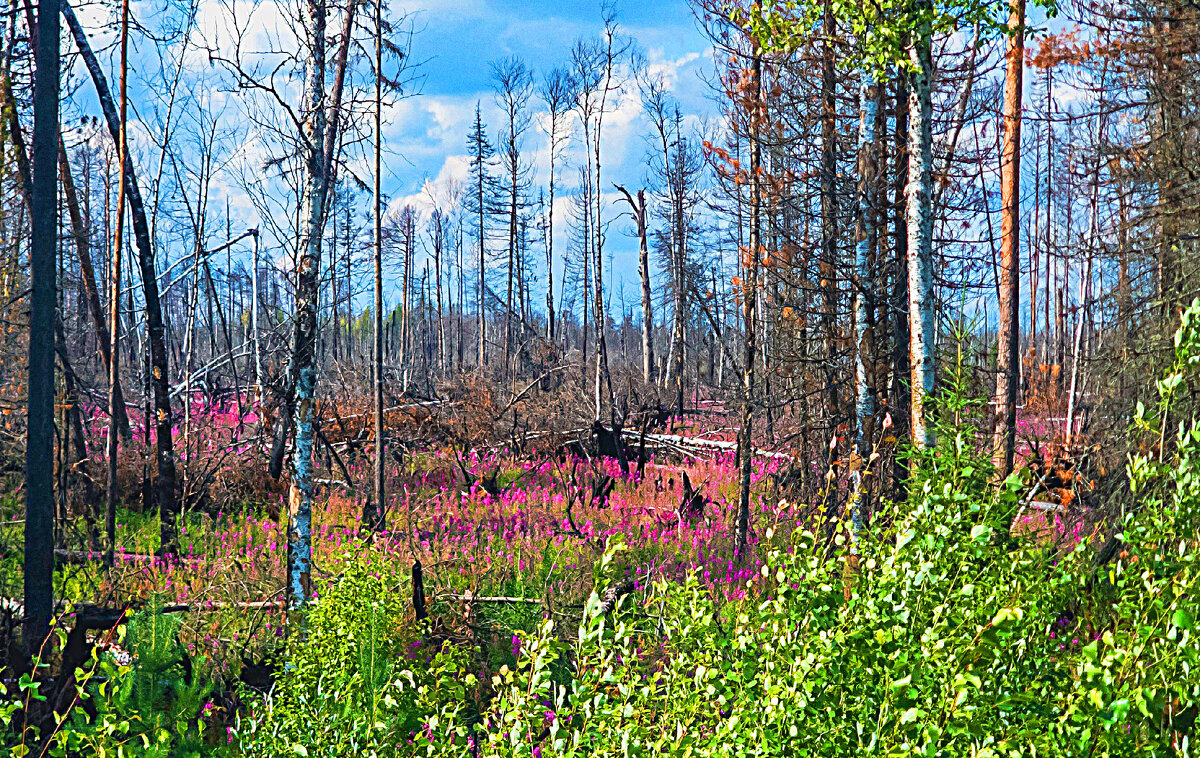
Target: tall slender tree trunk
(114,332)
(865,238)
(302,367)
(550,241)
(647,300)
(164,418)
(829,205)
(439,241)
(462,303)
(638,210)
(377,520)
(254,325)
(88,274)
(919,212)
(39,450)
(750,312)
(1004,425)
(481,284)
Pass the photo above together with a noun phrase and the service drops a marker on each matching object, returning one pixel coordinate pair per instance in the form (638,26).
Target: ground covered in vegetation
(557,604)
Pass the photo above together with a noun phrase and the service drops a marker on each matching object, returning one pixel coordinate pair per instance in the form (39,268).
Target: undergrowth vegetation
(939,630)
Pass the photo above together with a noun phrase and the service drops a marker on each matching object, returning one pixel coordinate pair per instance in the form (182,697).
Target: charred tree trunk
(39,449)
(165,482)
(377,521)
(829,206)
(750,312)
(88,274)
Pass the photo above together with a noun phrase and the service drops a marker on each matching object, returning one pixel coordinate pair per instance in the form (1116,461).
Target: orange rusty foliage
(1059,49)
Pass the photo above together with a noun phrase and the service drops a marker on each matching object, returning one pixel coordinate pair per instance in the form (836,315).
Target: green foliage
(145,703)
(882,30)
(137,699)
(937,633)
(358,680)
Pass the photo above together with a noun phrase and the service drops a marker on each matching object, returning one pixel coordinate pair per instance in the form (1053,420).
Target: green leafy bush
(939,632)
(138,698)
(358,680)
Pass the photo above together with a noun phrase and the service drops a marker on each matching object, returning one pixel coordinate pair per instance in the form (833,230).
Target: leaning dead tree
(165,484)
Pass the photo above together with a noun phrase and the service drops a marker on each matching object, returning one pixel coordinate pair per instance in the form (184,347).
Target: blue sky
(425,134)
(458,39)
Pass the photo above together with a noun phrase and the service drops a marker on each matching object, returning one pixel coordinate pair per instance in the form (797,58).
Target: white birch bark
(919,215)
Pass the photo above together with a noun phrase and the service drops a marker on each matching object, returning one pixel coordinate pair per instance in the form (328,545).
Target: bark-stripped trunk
(1004,425)
(302,366)
(919,212)
(88,274)
(865,238)
(438,248)
(638,210)
(647,301)
(512,243)
(114,331)
(550,235)
(39,449)
(377,518)
(333,131)
(164,419)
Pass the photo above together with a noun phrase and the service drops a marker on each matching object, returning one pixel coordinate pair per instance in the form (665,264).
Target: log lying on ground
(103,617)
(695,447)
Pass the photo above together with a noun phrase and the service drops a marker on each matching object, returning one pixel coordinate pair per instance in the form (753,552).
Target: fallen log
(696,446)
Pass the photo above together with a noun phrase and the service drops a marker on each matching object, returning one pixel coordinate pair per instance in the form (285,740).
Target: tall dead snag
(302,370)
(749,306)
(114,315)
(165,482)
(1004,423)
(480,201)
(638,210)
(88,274)
(377,364)
(514,86)
(556,96)
(39,448)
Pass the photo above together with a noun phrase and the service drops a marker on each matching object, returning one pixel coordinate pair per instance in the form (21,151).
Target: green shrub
(357,680)
(142,700)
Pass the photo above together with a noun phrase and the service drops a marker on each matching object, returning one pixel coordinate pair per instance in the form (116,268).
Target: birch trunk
(919,217)
(302,366)
(865,237)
